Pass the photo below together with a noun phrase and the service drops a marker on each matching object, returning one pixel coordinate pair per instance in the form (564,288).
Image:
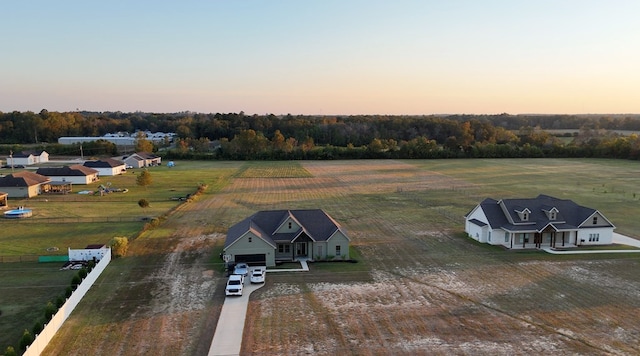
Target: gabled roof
(145,155)
(67,171)
(28,153)
(23,179)
(315,223)
(504,213)
(104,163)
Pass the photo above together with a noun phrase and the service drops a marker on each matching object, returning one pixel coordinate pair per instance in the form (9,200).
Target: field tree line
(240,136)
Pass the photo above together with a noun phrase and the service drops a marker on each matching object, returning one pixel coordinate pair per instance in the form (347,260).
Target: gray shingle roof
(317,224)
(66,171)
(23,179)
(104,163)
(570,215)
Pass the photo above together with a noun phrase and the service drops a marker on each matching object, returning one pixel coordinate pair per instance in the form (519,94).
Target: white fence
(42,340)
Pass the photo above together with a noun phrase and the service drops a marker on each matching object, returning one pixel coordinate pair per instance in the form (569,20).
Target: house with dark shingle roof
(107,166)
(75,174)
(538,222)
(27,158)
(23,184)
(286,235)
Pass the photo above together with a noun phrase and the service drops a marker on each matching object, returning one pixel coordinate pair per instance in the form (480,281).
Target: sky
(321,57)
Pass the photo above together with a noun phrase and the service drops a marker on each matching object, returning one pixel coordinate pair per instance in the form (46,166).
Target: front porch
(292,251)
(545,239)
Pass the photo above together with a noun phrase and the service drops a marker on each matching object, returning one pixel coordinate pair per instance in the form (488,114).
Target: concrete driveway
(228,337)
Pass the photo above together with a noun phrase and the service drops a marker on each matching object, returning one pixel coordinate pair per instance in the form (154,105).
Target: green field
(421,286)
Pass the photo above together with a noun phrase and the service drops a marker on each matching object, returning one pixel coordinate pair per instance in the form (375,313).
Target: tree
(143,203)
(144,179)
(142,144)
(119,246)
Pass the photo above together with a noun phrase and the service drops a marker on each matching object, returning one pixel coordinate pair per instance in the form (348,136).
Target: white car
(242,269)
(257,276)
(235,284)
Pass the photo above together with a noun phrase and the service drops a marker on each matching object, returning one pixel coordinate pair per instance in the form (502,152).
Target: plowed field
(428,291)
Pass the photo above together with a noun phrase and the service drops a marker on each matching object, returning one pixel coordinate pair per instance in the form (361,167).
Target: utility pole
(81,152)
(11,158)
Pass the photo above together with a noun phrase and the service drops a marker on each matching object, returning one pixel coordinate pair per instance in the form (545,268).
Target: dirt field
(429,290)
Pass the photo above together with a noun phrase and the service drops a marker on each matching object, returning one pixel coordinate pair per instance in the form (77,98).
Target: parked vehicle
(242,269)
(235,285)
(257,276)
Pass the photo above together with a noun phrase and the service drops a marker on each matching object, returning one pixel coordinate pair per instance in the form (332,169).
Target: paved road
(617,239)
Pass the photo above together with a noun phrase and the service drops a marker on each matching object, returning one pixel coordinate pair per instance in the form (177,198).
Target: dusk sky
(321,57)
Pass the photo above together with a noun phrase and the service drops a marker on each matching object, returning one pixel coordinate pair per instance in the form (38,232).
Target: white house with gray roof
(538,222)
(286,235)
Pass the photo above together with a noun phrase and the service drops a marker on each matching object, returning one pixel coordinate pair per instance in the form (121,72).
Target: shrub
(119,246)
(82,273)
(49,311)
(25,340)
(37,327)
(68,292)
(75,281)
(59,302)
(10,351)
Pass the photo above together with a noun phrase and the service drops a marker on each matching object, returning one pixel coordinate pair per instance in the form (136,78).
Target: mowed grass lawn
(424,285)
(26,287)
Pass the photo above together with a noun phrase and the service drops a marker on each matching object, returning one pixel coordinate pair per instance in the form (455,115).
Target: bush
(59,302)
(119,246)
(49,311)
(75,281)
(37,327)
(10,351)
(25,340)
(82,273)
(68,292)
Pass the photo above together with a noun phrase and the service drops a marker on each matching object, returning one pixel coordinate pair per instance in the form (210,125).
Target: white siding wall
(605,236)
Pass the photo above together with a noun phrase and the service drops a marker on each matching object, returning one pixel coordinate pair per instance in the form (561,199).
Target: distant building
(107,166)
(27,158)
(89,253)
(142,159)
(76,174)
(24,184)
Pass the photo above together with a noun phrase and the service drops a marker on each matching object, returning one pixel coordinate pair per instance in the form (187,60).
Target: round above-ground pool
(18,213)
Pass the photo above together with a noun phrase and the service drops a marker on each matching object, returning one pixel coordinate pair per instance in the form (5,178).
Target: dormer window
(595,220)
(552,215)
(523,213)
(290,225)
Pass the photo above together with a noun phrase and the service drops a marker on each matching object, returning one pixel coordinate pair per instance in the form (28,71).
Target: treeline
(243,136)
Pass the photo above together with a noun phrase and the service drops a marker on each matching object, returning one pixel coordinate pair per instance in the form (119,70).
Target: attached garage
(258,259)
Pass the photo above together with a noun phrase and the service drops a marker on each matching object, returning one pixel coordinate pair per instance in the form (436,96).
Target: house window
(552,215)
(595,220)
(284,248)
(489,237)
(506,236)
(249,238)
(525,216)
(338,247)
(290,225)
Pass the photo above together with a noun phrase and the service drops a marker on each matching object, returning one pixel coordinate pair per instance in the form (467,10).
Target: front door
(301,248)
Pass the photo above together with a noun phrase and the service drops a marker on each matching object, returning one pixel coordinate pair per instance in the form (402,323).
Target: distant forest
(240,136)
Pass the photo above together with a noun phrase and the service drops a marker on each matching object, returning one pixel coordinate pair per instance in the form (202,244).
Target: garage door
(259,259)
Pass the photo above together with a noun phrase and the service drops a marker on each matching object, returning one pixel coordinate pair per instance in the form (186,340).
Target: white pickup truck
(235,284)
